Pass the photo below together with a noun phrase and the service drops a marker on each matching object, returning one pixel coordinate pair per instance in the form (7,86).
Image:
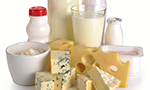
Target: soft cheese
(102,80)
(60,61)
(84,82)
(64,81)
(84,58)
(44,81)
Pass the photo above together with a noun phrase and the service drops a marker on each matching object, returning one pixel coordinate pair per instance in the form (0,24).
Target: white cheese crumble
(31,52)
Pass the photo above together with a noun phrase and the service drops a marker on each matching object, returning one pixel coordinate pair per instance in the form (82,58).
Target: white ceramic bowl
(23,68)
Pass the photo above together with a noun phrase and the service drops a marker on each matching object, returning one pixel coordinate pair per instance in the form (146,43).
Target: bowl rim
(19,43)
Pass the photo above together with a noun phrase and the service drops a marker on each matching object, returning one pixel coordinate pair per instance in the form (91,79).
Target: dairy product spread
(31,52)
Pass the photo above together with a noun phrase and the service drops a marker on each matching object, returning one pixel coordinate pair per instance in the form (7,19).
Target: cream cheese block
(44,81)
(102,80)
(84,82)
(60,62)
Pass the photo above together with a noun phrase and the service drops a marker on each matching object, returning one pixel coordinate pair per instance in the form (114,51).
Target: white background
(136,22)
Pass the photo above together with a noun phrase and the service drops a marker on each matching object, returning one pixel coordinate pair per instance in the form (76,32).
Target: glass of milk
(88,24)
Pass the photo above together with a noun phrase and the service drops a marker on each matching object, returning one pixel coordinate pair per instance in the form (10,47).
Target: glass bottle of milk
(59,18)
(114,33)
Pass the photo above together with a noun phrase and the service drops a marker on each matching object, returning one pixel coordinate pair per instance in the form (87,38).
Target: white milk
(88,31)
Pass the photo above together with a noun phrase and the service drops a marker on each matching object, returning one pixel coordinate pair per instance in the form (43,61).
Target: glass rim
(102,8)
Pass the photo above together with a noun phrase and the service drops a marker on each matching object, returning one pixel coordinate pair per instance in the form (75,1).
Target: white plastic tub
(132,54)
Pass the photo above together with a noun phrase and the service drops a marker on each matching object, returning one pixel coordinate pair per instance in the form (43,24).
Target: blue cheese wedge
(84,82)
(64,81)
(60,62)
(44,81)
(102,80)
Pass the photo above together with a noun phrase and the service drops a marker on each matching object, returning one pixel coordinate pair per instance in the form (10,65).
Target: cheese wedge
(84,83)
(102,80)
(84,58)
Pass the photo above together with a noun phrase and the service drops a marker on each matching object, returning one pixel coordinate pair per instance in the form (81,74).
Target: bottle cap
(37,11)
(114,20)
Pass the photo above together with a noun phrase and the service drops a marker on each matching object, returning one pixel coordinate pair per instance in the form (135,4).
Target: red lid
(37,11)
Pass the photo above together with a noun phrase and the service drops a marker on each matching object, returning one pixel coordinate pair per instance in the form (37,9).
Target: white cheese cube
(60,62)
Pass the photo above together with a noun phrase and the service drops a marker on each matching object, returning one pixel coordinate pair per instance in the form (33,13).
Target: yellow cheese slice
(84,58)
(61,44)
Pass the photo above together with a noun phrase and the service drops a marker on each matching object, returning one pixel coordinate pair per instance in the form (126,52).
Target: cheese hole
(92,50)
(62,43)
(80,67)
(88,59)
(113,68)
(67,46)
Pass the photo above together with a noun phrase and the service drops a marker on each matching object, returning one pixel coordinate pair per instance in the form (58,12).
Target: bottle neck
(41,18)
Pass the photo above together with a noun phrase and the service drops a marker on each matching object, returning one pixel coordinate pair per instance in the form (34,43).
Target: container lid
(37,11)
(114,20)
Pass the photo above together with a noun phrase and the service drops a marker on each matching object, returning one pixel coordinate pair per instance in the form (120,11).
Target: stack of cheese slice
(61,77)
(102,80)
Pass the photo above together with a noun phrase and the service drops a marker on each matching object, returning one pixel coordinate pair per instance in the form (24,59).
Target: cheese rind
(60,62)
(44,81)
(64,81)
(84,58)
(102,80)
(84,83)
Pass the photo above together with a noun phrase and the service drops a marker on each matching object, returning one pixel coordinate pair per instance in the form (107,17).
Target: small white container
(132,54)
(23,68)
(114,33)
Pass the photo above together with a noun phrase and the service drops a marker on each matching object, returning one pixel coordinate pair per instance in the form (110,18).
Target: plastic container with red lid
(38,29)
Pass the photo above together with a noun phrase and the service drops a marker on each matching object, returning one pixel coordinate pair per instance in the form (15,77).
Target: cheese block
(60,61)
(62,45)
(44,81)
(64,81)
(102,80)
(84,58)
(84,82)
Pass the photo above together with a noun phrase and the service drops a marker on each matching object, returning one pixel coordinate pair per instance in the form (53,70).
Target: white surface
(135,25)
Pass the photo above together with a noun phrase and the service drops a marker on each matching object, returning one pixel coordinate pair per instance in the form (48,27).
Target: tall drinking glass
(88,23)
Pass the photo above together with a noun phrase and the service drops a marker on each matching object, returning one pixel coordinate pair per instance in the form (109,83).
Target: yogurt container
(132,54)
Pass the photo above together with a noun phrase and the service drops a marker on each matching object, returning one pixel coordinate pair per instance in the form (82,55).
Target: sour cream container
(132,54)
